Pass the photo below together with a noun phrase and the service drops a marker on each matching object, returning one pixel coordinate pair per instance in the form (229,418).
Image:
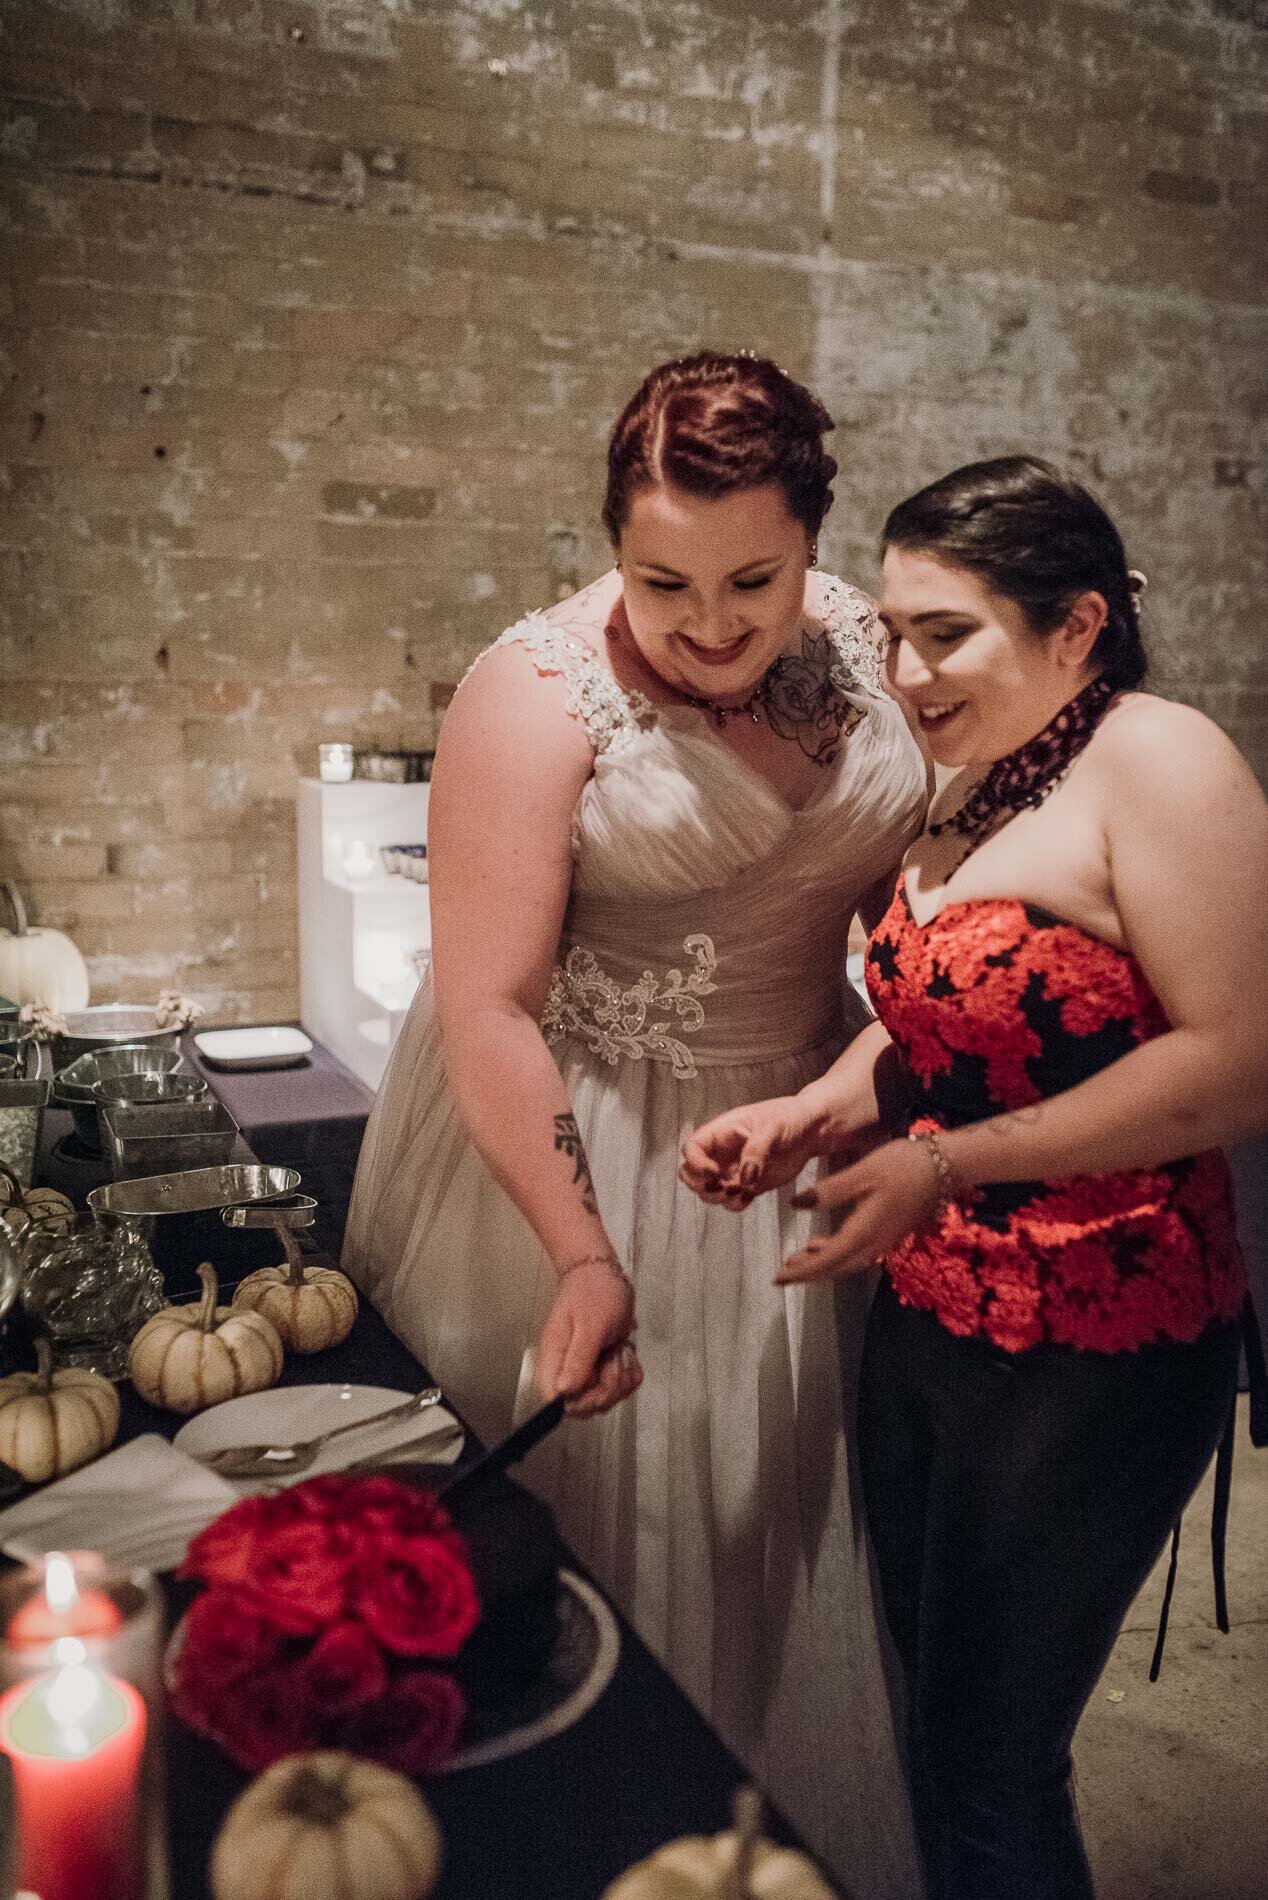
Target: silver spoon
(262,1461)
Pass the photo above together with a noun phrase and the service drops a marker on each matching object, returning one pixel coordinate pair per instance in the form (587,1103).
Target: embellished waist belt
(662,1015)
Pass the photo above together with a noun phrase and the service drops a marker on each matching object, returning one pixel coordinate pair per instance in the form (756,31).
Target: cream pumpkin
(40,966)
(312,1307)
(737,1865)
(326,1826)
(53,1422)
(189,1357)
(20,1205)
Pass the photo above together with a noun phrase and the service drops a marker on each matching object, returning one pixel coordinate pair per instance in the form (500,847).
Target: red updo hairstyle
(712,424)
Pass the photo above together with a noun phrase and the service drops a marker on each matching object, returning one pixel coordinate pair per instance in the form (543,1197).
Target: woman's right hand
(749,1150)
(587,1348)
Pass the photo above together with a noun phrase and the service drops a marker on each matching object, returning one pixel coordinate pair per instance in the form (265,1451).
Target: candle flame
(60,1587)
(71,1698)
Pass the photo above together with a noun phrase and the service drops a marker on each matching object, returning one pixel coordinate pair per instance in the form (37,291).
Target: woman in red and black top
(1070,984)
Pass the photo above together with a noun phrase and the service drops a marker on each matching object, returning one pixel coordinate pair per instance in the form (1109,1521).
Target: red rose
(419,1599)
(227,1551)
(258,1723)
(413,1728)
(344,1668)
(236,1680)
(301,1576)
(379,1505)
(226,1640)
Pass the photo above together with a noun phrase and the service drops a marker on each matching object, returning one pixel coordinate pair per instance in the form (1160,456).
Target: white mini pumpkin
(21,1206)
(53,1422)
(312,1307)
(189,1357)
(737,1865)
(326,1826)
(40,966)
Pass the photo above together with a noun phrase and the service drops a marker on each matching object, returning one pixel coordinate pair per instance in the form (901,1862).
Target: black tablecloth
(310,1117)
(557,1822)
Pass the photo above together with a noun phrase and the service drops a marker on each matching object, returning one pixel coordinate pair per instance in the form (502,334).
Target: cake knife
(501,1457)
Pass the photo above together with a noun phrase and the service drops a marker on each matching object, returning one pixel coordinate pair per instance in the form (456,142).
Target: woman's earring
(617,566)
(814,554)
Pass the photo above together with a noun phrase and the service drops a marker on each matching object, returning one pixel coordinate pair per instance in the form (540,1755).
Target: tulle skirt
(720,1506)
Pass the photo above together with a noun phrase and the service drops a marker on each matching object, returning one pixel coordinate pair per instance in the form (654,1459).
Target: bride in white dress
(655,810)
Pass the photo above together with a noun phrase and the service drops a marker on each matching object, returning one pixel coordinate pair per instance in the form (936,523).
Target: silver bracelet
(932,1145)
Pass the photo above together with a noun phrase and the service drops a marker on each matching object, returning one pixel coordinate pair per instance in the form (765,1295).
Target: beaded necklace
(752,705)
(1022,779)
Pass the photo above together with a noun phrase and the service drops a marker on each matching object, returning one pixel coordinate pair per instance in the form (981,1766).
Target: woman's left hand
(886,1196)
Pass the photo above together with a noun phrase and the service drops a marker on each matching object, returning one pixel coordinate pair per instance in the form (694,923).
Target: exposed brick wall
(315,316)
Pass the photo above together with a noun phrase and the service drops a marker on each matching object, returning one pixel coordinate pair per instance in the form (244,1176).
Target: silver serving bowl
(74,1087)
(105,1026)
(191,1192)
(149,1086)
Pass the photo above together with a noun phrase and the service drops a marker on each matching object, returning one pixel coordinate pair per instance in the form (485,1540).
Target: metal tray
(193,1190)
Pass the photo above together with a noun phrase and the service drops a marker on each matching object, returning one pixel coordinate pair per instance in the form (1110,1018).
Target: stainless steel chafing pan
(191,1191)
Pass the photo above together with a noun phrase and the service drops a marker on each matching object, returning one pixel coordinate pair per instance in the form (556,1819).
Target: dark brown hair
(713,424)
(1038,538)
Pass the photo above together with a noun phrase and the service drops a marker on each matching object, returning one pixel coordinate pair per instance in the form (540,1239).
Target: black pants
(1017,1502)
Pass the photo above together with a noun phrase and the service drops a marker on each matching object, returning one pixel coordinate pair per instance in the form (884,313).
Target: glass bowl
(91,1289)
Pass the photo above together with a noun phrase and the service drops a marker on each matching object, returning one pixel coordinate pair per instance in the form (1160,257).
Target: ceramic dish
(270,1046)
(287,1414)
(405,860)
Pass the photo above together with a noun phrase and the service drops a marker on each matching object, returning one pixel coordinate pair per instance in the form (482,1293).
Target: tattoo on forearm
(568,1141)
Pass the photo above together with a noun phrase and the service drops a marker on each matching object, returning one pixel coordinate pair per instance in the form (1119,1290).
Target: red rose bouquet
(330,1611)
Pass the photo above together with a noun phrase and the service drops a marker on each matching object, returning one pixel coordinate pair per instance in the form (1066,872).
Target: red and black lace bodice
(993,1005)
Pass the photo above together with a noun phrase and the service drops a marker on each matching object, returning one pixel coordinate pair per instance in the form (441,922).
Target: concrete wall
(315,315)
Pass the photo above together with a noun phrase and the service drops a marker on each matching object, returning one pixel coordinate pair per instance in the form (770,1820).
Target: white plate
(275,1046)
(288,1413)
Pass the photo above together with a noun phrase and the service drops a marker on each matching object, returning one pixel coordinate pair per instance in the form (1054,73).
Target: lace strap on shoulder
(608,713)
(855,631)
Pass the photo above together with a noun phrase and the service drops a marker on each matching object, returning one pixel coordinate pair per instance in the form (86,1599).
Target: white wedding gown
(701,967)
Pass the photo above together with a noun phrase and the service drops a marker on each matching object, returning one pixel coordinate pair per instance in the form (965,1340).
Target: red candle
(63,1610)
(39,1621)
(76,1738)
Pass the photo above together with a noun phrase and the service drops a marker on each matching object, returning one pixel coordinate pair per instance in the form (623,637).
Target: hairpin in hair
(1137,583)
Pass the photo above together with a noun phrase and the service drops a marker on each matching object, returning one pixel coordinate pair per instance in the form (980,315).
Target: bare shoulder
(1175,751)
(514,695)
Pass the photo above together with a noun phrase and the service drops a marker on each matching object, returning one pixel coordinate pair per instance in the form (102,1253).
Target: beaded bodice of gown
(708,918)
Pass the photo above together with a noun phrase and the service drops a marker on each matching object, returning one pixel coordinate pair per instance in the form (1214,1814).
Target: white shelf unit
(358,933)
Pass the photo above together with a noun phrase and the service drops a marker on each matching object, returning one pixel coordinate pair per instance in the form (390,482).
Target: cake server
(509,1452)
